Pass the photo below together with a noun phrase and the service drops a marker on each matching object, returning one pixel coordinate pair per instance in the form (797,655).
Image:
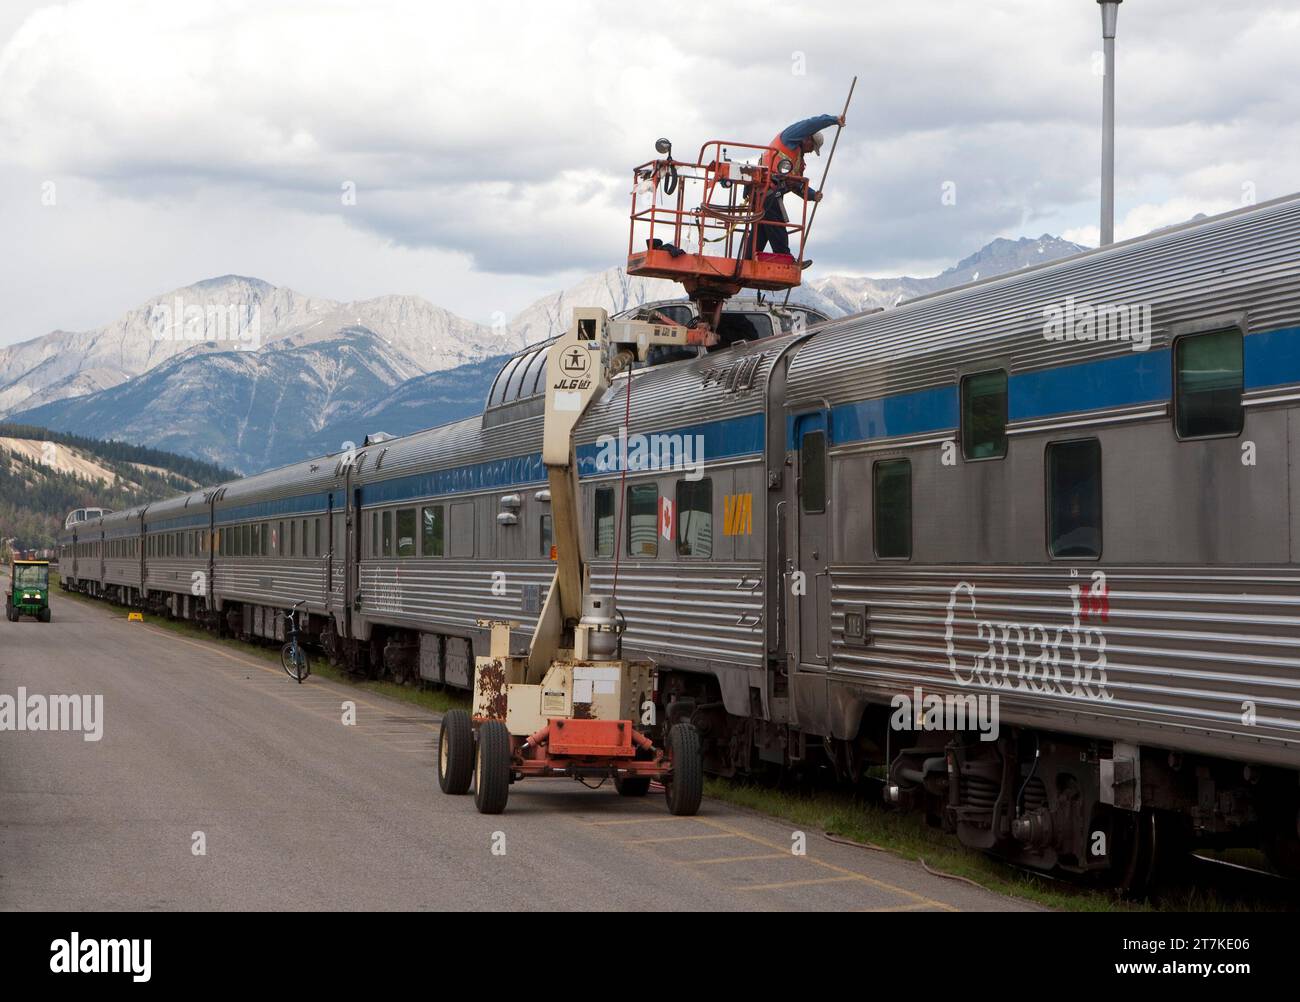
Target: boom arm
(579,366)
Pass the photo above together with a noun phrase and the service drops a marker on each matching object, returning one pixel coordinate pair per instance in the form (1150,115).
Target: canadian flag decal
(667,518)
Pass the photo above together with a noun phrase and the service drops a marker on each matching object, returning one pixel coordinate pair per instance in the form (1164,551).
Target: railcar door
(808,587)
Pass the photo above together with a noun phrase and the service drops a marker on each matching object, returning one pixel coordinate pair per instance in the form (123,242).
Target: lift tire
(685,789)
(455,753)
(45,615)
(632,786)
(492,768)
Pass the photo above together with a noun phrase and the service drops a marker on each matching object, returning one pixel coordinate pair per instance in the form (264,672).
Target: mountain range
(249,375)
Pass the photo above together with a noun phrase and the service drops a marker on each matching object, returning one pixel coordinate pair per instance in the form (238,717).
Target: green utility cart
(29,590)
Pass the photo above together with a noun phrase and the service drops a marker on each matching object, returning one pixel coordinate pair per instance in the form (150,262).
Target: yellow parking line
(738,859)
(676,838)
(649,819)
(799,883)
(844,871)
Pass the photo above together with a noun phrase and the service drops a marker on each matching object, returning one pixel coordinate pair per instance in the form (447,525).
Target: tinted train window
(643,520)
(248,535)
(733,327)
(431,530)
(547,536)
(984,415)
(1208,384)
(812,471)
(1074,498)
(386,532)
(374,533)
(892,512)
(695,518)
(406,532)
(604,522)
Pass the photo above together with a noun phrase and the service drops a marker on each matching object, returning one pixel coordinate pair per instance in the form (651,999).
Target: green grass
(436,700)
(852,816)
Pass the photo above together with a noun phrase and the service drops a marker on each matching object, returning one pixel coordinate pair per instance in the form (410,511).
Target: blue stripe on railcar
(1140,377)
(303,504)
(1273,358)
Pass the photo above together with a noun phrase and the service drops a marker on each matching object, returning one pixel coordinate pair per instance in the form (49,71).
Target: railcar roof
(923,341)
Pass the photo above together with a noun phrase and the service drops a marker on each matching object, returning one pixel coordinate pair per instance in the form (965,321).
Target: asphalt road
(299,811)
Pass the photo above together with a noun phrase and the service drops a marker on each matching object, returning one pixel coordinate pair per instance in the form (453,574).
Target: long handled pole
(829,160)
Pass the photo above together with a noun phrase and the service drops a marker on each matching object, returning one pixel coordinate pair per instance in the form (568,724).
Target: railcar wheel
(492,768)
(685,787)
(632,786)
(455,753)
(1136,843)
(1282,847)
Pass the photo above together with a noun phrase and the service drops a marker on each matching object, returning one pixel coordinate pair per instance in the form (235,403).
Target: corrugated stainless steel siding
(1244,261)
(682,393)
(174,573)
(278,583)
(1195,647)
(689,611)
(449,594)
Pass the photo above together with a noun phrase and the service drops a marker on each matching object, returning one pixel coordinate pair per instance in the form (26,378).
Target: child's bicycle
(293,656)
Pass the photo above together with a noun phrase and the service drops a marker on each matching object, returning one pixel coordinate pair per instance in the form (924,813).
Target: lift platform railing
(710,211)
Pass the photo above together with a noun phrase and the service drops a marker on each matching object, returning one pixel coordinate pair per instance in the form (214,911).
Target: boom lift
(573,705)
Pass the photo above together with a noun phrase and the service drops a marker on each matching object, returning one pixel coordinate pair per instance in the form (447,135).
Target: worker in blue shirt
(791,143)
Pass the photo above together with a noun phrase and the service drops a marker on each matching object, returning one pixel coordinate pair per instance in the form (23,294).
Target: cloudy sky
(147,144)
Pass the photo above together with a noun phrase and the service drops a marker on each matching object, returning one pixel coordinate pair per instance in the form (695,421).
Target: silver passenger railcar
(1031,544)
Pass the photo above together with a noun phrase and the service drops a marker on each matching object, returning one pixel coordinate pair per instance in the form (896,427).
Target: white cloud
(493,141)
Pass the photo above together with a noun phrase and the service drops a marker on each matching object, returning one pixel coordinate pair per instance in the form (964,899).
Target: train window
(984,415)
(431,531)
(267,533)
(406,532)
(1208,383)
(604,523)
(695,518)
(247,540)
(812,471)
(498,393)
(257,540)
(374,533)
(306,551)
(387,533)
(891,497)
(1074,498)
(293,538)
(735,327)
(548,537)
(643,520)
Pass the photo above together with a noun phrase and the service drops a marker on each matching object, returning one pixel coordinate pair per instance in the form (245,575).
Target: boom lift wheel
(455,752)
(492,768)
(685,788)
(632,786)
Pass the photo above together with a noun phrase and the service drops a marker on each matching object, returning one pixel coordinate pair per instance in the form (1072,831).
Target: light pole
(1109,16)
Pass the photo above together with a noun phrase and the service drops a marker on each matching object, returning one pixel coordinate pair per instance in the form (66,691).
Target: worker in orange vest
(790,144)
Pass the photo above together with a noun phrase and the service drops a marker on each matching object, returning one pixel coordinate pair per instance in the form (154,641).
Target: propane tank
(601,622)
